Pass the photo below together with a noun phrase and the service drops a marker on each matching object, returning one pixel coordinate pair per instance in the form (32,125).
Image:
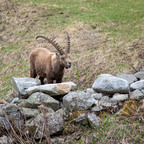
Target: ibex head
(62,55)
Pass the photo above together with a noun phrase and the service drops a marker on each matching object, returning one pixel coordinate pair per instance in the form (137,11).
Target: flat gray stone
(107,83)
(79,100)
(119,97)
(29,113)
(97,108)
(97,96)
(21,84)
(5,140)
(137,85)
(130,78)
(38,98)
(53,89)
(137,94)
(92,119)
(140,75)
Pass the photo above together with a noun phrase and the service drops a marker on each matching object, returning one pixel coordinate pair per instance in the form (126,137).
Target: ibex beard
(48,64)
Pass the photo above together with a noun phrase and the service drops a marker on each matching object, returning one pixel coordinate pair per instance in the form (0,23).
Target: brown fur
(48,65)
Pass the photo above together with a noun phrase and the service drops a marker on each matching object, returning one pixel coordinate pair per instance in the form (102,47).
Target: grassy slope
(106,37)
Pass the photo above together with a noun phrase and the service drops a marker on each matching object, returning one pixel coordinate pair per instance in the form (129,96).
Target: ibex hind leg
(32,72)
(58,80)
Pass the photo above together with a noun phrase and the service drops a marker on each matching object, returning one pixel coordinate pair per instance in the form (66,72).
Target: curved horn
(50,40)
(67,50)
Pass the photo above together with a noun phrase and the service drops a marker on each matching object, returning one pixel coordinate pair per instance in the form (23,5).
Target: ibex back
(48,64)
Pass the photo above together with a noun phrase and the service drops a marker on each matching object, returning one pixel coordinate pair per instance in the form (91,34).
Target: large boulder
(51,124)
(107,83)
(14,115)
(137,85)
(53,89)
(38,98)
(78,100)
(21,84)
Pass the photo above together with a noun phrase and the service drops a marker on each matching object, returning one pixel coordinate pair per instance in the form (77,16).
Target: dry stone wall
(37,108)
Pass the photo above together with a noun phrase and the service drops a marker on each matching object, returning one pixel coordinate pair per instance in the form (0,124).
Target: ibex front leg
(42,80)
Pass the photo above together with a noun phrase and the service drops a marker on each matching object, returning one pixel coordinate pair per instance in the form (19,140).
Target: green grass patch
(114,131)
(121,18)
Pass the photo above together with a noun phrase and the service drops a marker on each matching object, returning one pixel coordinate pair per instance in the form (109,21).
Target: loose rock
(4,123)
(97,108)
(21,84)
(90,91)
(57,141)
(5,140)
(97,96)
(137,85)
(78,101)
(140,75)
(119,97)
(1,109)
(106,103)
(137,94)
(128,77)
(29,113)
(15,100)
(93,120)
(38,98)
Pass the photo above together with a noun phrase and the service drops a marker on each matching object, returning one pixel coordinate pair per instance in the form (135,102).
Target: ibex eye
(63,58)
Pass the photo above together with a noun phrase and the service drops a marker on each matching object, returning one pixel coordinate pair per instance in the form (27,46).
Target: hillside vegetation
(107,36)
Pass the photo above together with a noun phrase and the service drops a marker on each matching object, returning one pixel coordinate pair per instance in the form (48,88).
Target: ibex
(48,64)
